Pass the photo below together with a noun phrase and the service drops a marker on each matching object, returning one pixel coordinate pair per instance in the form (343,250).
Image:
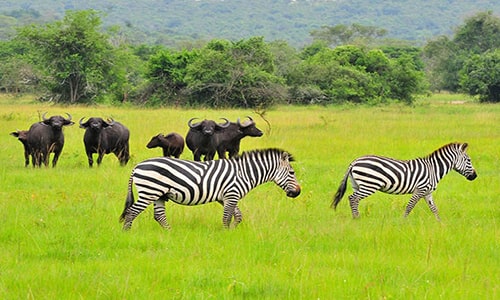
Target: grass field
(61,239)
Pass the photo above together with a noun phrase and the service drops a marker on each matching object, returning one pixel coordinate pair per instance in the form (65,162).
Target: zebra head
(463,164)
(285,177)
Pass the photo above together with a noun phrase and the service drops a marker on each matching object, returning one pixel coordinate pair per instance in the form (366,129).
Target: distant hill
(174,21)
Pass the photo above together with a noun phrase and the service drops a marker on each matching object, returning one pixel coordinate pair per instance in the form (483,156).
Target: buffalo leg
(197,155)
(99,158)
(45,158)
(56,158)
(90,159)
(123,156)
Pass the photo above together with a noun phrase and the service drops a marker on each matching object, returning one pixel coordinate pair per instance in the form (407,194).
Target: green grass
(61,238)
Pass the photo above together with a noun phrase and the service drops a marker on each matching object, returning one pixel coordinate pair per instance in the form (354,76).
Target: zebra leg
(229,211)
(133,212)
(354,203)
(238,217)
(432,206)
(159,214)
(411,204)
(357,196)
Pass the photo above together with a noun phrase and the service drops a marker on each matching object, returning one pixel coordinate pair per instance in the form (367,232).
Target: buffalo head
(21,135)
(208,127)
(248,128)
(57,122)
(95,124)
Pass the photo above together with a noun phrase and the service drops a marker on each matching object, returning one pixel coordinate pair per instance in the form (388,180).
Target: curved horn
(69,116)
(80,122)
(110,121)
(246,124)
(225,125)
(43,116)
(193,125)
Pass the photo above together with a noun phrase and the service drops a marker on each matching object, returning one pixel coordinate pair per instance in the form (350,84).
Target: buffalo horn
(43,116)
(193,125)
(80,122)
(246,124)
(69,117)
(226,124)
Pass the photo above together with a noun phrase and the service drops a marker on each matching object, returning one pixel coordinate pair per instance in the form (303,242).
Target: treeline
(75,61)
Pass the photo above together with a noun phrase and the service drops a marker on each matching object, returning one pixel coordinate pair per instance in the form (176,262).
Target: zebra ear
(464,146)
(286,156)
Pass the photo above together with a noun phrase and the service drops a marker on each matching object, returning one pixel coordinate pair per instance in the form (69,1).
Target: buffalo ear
(68,123)
(14,133)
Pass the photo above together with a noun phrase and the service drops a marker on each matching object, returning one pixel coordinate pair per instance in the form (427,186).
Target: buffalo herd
(204,138)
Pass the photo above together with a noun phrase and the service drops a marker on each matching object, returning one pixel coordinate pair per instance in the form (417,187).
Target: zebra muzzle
(472,176)
(294,192)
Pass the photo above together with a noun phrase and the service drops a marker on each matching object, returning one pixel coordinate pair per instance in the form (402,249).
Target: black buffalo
(104,137)
(172,144)
(47,137)
(200,138)
(228,140)
(22,136)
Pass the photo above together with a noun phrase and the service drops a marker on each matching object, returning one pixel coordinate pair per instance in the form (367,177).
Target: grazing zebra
(418,177)
(158,180)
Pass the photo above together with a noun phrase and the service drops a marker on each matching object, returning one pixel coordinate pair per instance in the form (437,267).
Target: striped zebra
(418,177)
(225,181)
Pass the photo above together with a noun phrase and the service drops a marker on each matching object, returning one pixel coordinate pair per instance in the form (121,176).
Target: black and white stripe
(418,177)
(225,181)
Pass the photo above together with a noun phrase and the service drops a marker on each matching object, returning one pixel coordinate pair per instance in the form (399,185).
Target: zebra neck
(440,165)
(253,173)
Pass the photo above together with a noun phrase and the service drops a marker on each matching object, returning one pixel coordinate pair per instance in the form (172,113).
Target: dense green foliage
(61,238)
(76,61)
(468,61)
(80,64)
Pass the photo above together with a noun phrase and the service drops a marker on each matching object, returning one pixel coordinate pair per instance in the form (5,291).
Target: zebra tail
(129,201)
(341,190)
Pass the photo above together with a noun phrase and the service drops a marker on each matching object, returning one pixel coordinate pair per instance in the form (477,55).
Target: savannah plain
(61,239)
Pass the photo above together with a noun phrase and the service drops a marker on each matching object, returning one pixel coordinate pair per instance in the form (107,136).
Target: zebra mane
(257,152)
(454,145)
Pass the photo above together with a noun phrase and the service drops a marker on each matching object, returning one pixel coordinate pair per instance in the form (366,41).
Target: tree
(479,34)
(446,57)
(356,74)
(17,75)
(166,71)
(481,76)
(74,55)
(234,74)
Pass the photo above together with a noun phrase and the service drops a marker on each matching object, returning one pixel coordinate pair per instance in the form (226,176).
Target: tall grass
(61,238)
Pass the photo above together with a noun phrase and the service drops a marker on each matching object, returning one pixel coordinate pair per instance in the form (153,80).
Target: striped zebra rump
(184,182)
(388,175)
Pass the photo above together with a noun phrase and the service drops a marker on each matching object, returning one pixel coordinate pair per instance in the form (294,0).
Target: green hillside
(173,21)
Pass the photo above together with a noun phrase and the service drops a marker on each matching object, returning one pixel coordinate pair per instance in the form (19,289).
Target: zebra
(158,180)
(418,177)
